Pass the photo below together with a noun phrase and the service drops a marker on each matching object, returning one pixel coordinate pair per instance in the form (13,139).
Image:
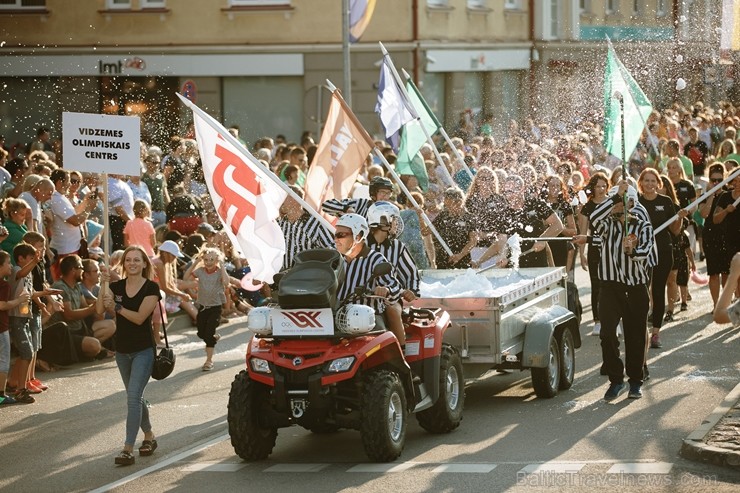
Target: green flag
(637,108)
(409,160)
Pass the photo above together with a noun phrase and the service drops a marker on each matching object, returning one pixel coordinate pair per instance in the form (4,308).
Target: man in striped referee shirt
(350,240)
(386,224)
(380,187)
(301,230)
(624,274)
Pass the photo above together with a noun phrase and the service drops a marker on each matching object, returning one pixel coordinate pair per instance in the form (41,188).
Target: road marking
(553,467)
(162,465)
(296,468)
(465,468)
(640,468)
(213,467)
(383,468)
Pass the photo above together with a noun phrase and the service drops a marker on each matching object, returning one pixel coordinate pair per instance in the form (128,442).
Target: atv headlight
(260,365)
(355,319)
(259,322)
(341,364)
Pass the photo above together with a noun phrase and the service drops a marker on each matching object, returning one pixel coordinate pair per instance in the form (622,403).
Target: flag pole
(413,112)
(345,52)
(412,200)
(442,130)
(245,153)
(620,97)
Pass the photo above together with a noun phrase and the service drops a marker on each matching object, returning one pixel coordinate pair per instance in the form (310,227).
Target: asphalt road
(509,440)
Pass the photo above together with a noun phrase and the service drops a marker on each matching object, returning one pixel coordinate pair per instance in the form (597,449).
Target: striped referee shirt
(305,233)
(400,258)
(641,213)
(358,273)
(615,265)
(337,207)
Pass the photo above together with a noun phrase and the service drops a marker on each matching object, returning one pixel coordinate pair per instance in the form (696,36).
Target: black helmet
(379,183)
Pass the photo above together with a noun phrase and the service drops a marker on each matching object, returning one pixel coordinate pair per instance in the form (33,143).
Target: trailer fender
(538,332)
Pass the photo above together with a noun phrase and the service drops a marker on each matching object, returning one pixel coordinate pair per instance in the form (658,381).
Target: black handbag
(164,362)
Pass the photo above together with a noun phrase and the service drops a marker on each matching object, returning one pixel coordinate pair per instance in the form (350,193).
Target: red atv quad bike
(325,367)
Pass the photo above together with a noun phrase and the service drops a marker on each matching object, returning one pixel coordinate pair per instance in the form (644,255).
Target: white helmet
(631,194)
(385,214)
(356,223)
(355,319)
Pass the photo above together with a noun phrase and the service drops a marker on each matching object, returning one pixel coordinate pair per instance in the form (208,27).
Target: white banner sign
(101,143)
(303,322)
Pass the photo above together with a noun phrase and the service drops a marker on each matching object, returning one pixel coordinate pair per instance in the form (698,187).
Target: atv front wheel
(251,440)
(383,416)
(445,415)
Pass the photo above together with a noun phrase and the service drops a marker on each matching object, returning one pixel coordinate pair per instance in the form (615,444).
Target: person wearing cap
(165,274)
(381,188)
(624,273)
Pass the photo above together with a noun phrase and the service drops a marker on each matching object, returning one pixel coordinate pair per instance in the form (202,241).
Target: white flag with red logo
(343,147)
(246,199)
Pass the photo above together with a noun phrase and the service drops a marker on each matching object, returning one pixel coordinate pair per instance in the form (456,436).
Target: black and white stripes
(358,274)
(305,233)
(337,207)
(615,264)
(398,255)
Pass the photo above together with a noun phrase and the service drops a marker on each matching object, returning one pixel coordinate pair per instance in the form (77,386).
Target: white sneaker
(597,329)
(619,329)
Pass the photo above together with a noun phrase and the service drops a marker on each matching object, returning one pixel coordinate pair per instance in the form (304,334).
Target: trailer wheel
(251,441)
(383,416)
(445,415)
(567,359)
(547,380)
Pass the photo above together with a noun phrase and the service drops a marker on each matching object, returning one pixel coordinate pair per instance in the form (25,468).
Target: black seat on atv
(313,281)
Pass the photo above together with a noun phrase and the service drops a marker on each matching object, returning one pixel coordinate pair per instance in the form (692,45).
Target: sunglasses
(341,234)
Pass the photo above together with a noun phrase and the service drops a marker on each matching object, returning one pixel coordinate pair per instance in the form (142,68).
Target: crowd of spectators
(538,180)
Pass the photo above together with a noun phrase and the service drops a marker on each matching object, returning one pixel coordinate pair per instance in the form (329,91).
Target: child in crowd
(213,281)
(5,306)
(25,339)
(139,231)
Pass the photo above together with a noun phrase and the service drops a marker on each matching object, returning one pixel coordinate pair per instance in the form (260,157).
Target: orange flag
(343,147)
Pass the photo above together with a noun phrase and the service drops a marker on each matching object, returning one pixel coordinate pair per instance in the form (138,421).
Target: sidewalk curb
(694,448)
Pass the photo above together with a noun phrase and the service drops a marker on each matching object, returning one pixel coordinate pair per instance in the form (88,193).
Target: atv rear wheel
(251,440)
(383,416)
(445,415)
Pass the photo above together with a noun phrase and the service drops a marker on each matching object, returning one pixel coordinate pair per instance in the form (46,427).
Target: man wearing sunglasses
(350,240)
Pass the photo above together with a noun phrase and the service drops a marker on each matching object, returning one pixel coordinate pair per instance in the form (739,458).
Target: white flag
(246,199)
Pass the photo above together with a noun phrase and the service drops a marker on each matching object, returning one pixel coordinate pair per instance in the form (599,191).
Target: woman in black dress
(715,247)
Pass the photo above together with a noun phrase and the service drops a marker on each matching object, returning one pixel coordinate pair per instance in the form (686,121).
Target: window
(635,7)
(437,3)
(153,4)
(119,4)
(554,19)
(612,6)
(476,4)
(22,4)
(254,3)
(583,6)
(511,4)
(661,8)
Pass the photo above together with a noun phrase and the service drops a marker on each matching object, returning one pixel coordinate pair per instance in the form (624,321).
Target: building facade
(262,64)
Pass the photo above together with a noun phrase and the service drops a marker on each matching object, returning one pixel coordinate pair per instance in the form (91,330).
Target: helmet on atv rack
(379,183)
(384,214)
(355,319)
(356,223)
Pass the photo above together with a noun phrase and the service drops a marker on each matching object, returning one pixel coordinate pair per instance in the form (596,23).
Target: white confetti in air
(683,18)
(680,84)
(528,228)
(679,58)
(2,43)
(574,201)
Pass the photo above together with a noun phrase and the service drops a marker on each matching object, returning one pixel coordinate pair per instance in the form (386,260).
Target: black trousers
(207,321)
(594,258)
(630,304)
(659,281)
